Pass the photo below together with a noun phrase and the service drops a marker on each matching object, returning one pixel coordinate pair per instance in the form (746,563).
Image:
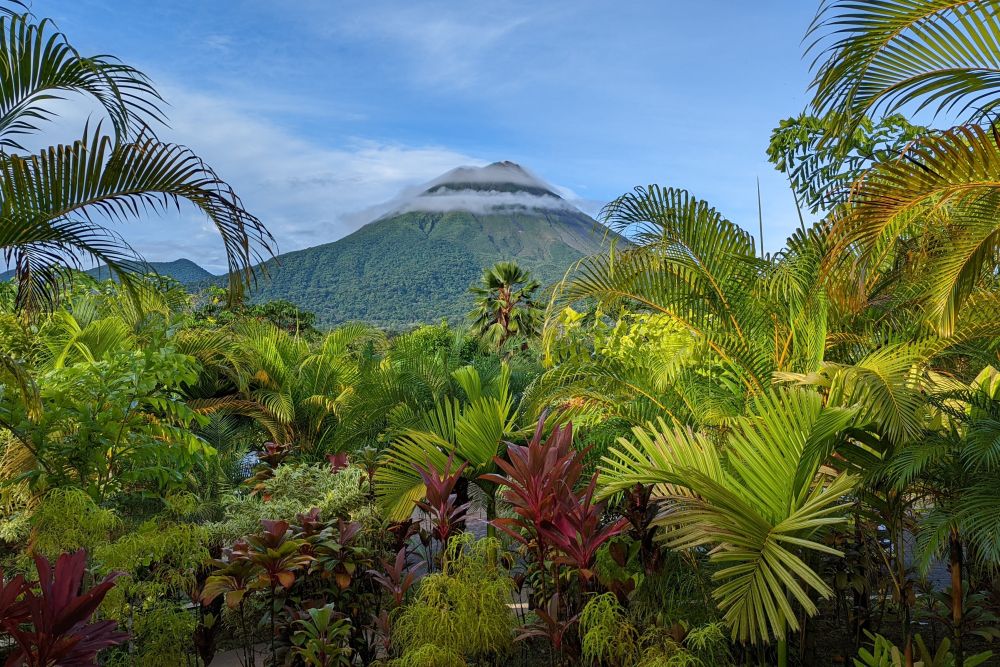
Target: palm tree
(295,393)
(934,54)
(880,57)
(505,304)
(951,473)
(55,205)
(471,431)
(760,502)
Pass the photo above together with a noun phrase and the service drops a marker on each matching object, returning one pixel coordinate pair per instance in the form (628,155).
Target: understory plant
(610,637)
(559,526)
(51,620)
(460,613)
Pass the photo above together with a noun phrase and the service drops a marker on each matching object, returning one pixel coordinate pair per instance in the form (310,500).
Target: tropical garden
(688,452)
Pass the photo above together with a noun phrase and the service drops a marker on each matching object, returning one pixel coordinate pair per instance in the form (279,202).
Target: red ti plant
(272,555)
(577,532)
(395,577)
(274,551)
(538,478)
(338,556)
(337,461)
(52,626)
(441,504)
(550,625)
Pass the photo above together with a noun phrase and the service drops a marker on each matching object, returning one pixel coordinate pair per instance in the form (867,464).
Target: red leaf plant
(441,504)
(395,577)
(539,477)
(52,626)
(550,625)
(576,530)
(338,461)
(275,552)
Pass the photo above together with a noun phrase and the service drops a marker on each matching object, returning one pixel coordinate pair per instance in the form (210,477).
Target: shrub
(68,519)
(610,637)
(460,612)
(293,489)
(430,655)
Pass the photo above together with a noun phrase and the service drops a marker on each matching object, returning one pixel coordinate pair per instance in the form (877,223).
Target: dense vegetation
(697,454)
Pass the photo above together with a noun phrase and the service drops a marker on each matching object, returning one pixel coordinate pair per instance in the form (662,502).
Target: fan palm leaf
(691,265)
(758,502)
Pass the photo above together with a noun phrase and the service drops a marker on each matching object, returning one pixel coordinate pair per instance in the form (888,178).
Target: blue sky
(317,110)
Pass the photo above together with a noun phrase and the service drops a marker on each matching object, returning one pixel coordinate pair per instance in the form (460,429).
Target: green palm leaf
(758,502)
(50,201)
(954,173)
(38,66)
(473,432)
(878,56)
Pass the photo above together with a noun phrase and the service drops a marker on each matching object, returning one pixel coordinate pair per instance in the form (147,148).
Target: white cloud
(482,202)
(446,44)
(456,196)
(306,194)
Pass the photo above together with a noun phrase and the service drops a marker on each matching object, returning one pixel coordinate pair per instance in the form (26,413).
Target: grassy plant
(461,611)
(607,634)
(68,519)
(430,655)
(610,637)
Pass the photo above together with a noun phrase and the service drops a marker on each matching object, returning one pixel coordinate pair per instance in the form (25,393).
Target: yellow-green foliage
(16,339)
(160,637)
(68,519)
(157,559)
(461,610)
(430,655)
(15,498)
(294,489)
(610,637)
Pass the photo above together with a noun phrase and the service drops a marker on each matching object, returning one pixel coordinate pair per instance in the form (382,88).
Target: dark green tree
(505,304)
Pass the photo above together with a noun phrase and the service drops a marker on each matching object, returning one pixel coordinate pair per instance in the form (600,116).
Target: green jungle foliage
(698,453)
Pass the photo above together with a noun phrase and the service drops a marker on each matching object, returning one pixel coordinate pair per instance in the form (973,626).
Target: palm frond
(51,201)
(38,66)
(758,502)
(953,172)
(878,57)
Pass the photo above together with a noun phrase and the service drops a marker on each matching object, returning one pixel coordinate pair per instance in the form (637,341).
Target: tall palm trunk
(895,522)
(955,563)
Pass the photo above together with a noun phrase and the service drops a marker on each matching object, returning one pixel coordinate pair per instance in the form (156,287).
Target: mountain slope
(416,264)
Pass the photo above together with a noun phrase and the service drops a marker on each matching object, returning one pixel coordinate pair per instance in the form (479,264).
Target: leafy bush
(293,489)
(68,519)
(610,637)
(460,612)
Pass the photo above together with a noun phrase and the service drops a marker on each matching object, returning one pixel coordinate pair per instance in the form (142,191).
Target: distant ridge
(182,270)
